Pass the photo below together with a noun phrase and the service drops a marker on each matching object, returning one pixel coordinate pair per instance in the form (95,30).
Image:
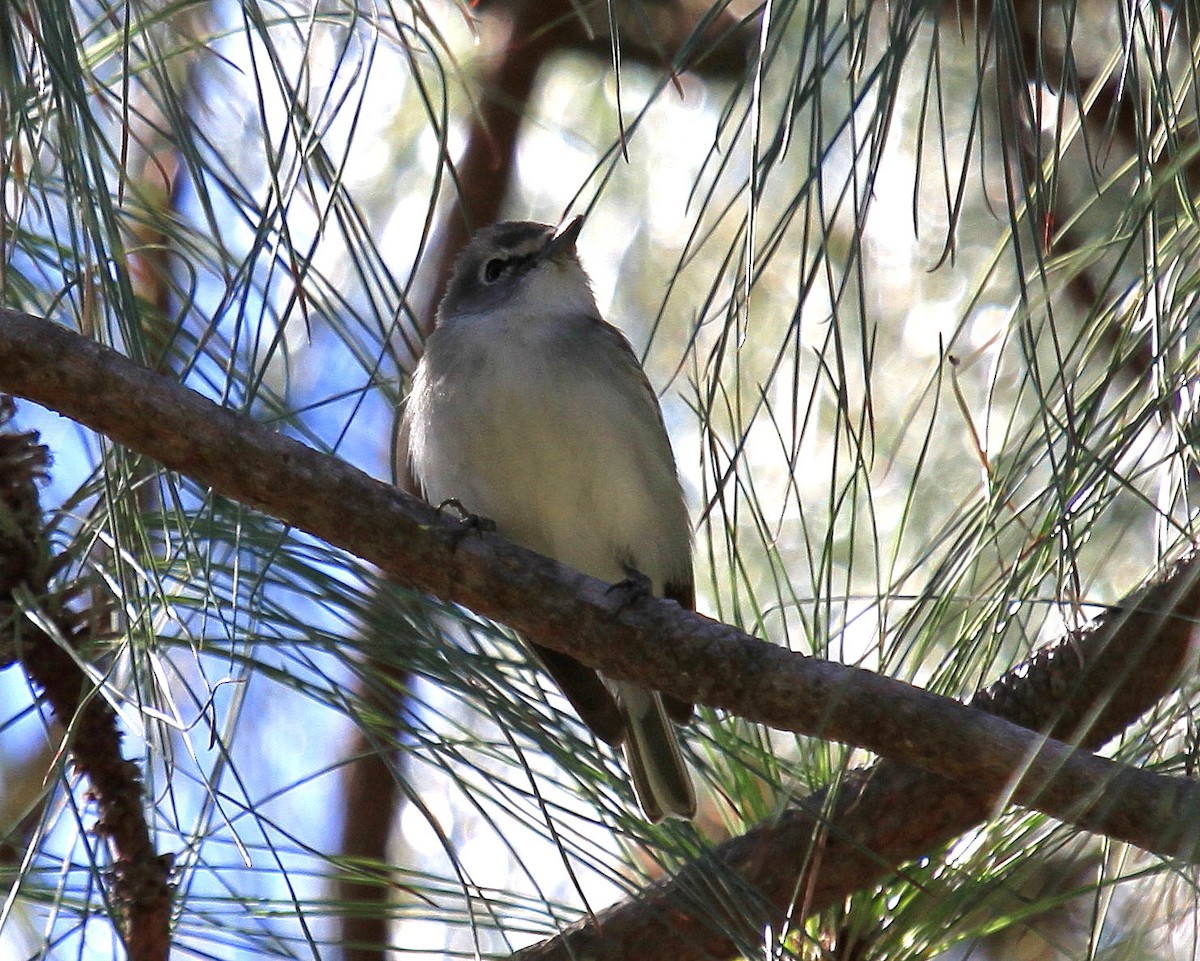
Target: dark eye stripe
(497,267)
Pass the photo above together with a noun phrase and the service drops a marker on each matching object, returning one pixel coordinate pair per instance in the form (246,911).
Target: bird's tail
(660,780)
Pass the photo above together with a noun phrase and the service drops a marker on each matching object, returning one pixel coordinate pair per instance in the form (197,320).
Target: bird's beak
(564,240)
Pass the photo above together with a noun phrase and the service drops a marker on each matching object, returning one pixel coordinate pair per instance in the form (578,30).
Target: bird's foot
(633,587)
(471,523)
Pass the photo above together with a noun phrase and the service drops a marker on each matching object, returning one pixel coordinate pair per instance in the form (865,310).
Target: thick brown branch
(481,181)
(1087,687)
(649,640)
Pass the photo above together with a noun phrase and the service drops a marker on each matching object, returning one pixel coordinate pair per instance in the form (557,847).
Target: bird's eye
(493,269)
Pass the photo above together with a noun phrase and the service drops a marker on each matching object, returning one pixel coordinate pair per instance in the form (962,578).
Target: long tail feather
(660,779)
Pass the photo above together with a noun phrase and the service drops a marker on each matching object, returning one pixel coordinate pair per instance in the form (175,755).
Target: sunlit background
(923,334)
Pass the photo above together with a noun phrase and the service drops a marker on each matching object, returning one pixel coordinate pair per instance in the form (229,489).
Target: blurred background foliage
(917,283)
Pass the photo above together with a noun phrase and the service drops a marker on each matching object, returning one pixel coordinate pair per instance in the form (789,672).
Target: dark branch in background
(648,640)
(715,41)
(1035,56)
(369,802)
(482,176)
(676,35)
(480,183)
(519,38)
(139,884)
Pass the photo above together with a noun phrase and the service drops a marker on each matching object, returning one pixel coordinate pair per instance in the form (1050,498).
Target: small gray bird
(531,411)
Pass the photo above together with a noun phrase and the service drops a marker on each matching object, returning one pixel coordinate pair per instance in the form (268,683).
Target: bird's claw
(470,522)
(634,586)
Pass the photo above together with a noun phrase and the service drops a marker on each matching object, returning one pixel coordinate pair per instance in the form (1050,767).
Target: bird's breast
(567,455)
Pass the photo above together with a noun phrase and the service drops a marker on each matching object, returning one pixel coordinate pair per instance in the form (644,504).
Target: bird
(529,410)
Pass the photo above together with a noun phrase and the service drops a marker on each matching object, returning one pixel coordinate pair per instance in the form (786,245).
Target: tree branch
(649,640)
(1085,688)
(139,881)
